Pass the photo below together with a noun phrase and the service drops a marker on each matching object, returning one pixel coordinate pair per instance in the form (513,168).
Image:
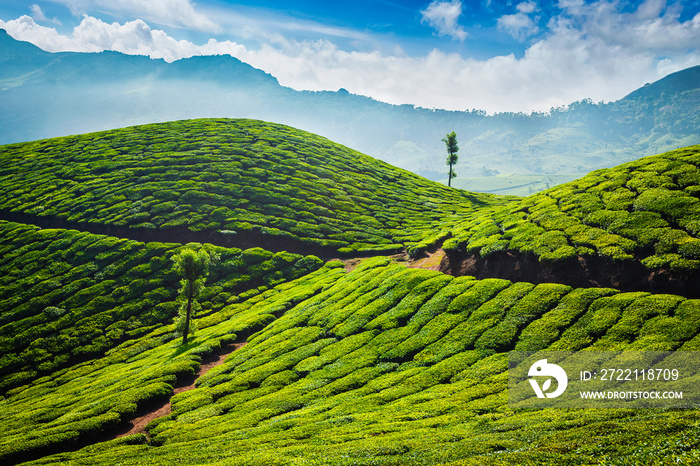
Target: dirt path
(429,260)
(138,425)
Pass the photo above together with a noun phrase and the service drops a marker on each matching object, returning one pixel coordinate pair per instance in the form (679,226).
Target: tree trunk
(186,331)
(449,178)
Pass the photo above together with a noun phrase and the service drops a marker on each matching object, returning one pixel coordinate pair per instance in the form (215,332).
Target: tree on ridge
(452,148)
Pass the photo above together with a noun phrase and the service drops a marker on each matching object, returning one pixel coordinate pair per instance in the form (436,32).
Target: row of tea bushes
(238,177)
(90,400)
(645,210)
(363,370)
(67,296)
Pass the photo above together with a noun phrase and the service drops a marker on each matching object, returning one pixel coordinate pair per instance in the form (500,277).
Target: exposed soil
(590,271)
(352,263)
(429,261)
(156,410)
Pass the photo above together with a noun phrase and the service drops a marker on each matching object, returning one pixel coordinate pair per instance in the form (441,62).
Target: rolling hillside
(635,226)
(84,92)
(384,365)
(69,296)
(380,364)
(242,183)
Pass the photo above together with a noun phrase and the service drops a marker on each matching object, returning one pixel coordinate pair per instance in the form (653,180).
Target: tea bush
(646,210)
(423,380)
(233,176)
(58,307)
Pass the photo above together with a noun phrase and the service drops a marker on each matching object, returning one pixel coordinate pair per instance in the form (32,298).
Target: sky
(497,56)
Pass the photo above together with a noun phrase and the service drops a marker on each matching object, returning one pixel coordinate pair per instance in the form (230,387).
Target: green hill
(69,296)
(635,226)
(382,364)
(241,183)
(74,92)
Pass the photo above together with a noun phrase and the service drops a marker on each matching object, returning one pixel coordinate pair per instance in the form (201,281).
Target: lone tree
(452,148)
(192,264)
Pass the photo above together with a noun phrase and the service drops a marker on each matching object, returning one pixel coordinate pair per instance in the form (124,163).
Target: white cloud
(24,28)
(526,7)
(651,9)
(520,25)
(587,51)
(94,35)
(176,13)
(37,14)
(443,16)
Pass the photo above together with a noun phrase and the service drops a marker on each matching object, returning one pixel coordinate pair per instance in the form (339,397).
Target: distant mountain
(682,81)
(26,64)
(54,94)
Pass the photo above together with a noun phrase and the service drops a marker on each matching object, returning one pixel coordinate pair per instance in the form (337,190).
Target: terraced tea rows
(67,296)
(638,223)
(381,365)
(85,402)
(236,182)
(388,365)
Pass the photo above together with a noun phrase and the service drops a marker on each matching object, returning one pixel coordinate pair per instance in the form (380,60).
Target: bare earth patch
(138,424)
(429,260)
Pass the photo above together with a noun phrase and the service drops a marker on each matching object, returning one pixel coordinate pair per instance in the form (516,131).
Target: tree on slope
(192,264)
(452,148)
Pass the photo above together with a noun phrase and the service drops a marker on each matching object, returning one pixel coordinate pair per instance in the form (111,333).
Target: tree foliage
(450,141)
(192,264)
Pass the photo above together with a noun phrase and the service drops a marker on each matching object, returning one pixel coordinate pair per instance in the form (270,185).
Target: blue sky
(485,54)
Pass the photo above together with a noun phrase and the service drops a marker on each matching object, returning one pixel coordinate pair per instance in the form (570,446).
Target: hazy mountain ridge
(45,95)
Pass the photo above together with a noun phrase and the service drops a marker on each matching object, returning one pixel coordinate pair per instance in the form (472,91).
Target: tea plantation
(67,296)
(377,365)
(644,211)
(383,365)
(235,180)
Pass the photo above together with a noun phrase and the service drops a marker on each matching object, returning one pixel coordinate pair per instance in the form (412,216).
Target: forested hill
(82,92)
(676,83)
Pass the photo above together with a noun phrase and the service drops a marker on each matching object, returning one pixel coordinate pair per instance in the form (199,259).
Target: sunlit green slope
(380,365)
(383,365)
(236,181)
(68,296)
(647,211)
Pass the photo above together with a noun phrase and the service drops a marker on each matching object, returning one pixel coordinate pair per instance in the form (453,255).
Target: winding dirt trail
(138,424)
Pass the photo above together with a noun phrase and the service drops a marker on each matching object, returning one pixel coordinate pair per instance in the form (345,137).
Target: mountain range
(46,94)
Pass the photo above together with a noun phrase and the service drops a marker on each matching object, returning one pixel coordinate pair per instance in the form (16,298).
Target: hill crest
(116,90)
(234,182)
